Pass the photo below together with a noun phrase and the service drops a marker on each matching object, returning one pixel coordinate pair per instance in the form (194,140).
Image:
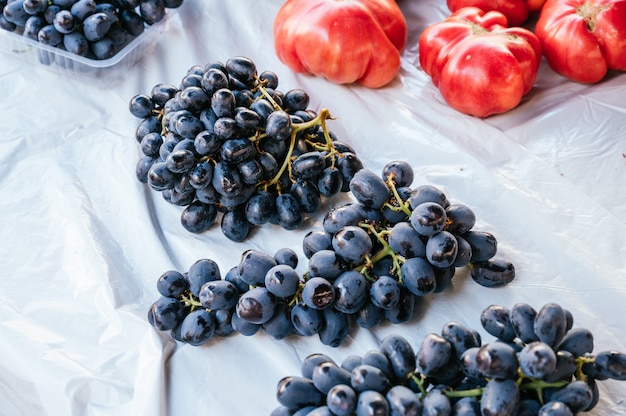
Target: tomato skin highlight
(583,39)
(481,66)
(344,41)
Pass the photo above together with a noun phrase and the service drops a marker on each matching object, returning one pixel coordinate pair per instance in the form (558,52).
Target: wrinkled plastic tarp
(83,242)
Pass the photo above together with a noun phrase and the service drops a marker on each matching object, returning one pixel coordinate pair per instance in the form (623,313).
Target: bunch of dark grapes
(227,141)
(537,365)
(376,256)
(368,266)
(96,29)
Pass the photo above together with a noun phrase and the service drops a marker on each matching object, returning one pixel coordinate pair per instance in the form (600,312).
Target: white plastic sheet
(83,242)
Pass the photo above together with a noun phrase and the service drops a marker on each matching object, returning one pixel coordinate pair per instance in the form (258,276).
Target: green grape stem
(402,205)
(190,301)
(385,251)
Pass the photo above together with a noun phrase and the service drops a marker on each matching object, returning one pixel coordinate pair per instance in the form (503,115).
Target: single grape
(341,400)
(385,292)
(484,245)
(492,273)
(328,374)
(433,354)
(197,327)
(289,213)
(198,216)
(282,280)
(369,189)
(402,172)
(522,317)
(495,319)
(405,241)
(218,294)
(441,249)
(537,360)
(172,284)
(318,293)
(256,306)
(367,377)
(418,276)
(306,320)
(578,341)
(371,402)
(428,218)
(336,327)
(460,337)
(279,326)
(554,408)
(428,193)
(497,360)
(351,292)
(352,243)
(296,392)
(403,401)
(550,324)
(500,397)
(436,403)
(166,313)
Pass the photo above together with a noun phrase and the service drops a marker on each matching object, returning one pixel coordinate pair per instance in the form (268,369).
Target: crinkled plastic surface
(83,242)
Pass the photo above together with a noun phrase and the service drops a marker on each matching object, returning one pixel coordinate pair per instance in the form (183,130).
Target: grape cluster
(539,364)
(367,266)
(227,141)
(96,29)
(394,244)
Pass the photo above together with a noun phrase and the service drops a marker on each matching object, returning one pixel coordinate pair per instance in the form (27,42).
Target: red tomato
(344,41)
(481,66)
(516,11)
(583,39)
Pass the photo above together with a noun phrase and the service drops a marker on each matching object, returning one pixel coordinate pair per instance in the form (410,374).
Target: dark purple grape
(500,397)
(369,189)
(418,276)
(306,320)
(402,172)
(550,324)
(484,245)
(578,341)
(433,354)
(257,305)
(289,213)
(341,400)
(428,218)
(351,292)
(241,68)
(495,319)
(152,11)
(328,374)
(460,337)
(296,392)
(172,284)
(497,359)
(197,327)
(336,327)
(610,364)
(218,294)
(371,402)
(441,249)
(537,360)
(166,313)
(492,273)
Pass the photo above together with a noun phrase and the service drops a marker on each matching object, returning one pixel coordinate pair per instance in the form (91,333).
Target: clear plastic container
(99,72)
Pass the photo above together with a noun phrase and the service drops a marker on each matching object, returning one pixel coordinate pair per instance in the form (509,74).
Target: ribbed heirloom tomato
(516,11)
(344,41)
(481,66)
(583,39)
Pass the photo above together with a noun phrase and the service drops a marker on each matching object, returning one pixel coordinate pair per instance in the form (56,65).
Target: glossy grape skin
(256,306)
(307,321)
(278,125)
(341,216)
(152,11)
(279,326)
(296,99)
(296,392)
(352,243)
(460,337)
(427,193)
(172,284)
(14,12)
(578,341)
(328,374)
(308,165)
(289,212)
(405,241)
(244,327)
(469,366)
(550,324)
(436,403)
(537,360)
(351,292)
(402,172)
(441,249)
(367,377)
(96,26)
(403,401)
(218,294)
(282,280)
(555,408)
(160,177)
(565,368)
(497,360)
(330,182)
(197,327)
(403,311)
(306,195)
(577,395)
(327,264)
(522,317)
(336,327)
(76,43)
(418,276)
(166,313)
(198,217)
(428,218)
(240,68)
(371,403)
(254,265)
(318,293)
(48,35)
(499,398)
(369,315)
(385,292)
(348,164)
(434,353)
(492,273)
(484,245)
(314,241)
(341,400)
(610,364)
(369,189)
(495,319)
(201,272)
(466,406)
